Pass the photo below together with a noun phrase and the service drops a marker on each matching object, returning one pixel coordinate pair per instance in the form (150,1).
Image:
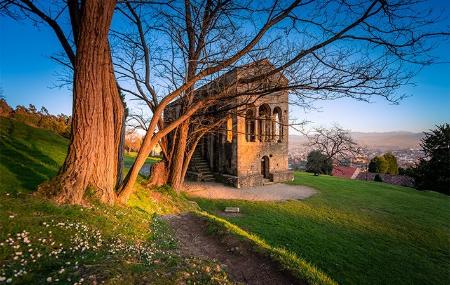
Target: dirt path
(274,192)
(242,264)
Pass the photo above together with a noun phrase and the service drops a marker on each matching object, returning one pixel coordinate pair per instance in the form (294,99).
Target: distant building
(401,180)
(345,172)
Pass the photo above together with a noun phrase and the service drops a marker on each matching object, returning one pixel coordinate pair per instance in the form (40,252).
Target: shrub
(60,124)
(318,163)
(378,178)
(378,164)
(392,165)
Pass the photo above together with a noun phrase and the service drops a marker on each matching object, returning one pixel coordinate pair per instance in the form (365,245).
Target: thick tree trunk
(92,160)
(150,140)
(176,167)
(158,174)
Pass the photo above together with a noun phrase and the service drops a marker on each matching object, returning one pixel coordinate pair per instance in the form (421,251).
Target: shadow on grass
(25,161)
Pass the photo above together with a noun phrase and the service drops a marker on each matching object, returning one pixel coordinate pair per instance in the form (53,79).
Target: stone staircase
(200,165)
(267,181)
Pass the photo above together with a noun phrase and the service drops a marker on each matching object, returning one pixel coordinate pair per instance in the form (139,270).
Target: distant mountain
(385,141)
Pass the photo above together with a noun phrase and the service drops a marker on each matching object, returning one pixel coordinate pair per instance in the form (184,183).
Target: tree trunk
(158,174)
(176,167)
(121,147)
(92,160)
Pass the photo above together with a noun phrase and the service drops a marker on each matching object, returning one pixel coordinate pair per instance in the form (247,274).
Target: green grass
(42,241)
(129,158)
(290,262)
(357,232)
(28,156)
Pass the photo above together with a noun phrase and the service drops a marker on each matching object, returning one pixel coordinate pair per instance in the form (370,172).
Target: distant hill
(385,141)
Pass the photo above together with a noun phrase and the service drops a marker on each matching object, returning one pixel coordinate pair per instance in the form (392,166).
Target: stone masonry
(251,149)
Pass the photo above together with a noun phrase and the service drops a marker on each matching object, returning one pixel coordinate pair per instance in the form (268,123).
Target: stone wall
(240,181)
(250,153)
(401,180)
(282,176)
(238,162)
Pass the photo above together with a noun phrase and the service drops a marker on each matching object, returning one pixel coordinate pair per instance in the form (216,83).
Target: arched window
(250,125)
(277,124)
(264,119)
(229,129)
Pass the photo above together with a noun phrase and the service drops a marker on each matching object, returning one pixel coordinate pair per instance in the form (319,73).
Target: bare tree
(98,111)
(327,50)
(336,143)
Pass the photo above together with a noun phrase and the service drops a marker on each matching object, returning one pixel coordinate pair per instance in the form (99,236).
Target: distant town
(404,146)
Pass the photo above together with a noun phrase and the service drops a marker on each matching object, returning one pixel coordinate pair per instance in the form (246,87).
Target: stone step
(267,182)
(201,166)
(198,165)
(199,161)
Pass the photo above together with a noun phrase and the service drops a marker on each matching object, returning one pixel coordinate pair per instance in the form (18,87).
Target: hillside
(384,141)
(357,232)
(28,156)
(42,243)
(353,232)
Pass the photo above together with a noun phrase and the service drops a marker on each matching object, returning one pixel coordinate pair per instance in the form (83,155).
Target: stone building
(251,149)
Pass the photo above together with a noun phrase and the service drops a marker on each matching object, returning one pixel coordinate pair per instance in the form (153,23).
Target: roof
(254,68)
(345,171)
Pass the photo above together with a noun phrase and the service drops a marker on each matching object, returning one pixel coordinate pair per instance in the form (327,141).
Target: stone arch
(250,125)
(265,166)
(277,127)
(264,120)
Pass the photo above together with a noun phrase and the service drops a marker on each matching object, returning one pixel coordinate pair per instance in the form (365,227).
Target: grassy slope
(28,156)
(131,156)
(357,232)
(118,245)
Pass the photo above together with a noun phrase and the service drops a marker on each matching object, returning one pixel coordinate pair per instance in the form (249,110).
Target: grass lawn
(355,231)
(43,243)
(129,158)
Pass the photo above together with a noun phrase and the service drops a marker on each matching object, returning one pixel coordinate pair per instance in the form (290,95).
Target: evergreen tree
(318,163)
(433,173)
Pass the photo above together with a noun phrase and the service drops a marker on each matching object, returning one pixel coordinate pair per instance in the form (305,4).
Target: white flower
(49,279)
(9,280)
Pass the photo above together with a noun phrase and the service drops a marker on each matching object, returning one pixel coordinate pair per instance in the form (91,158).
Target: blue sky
(28,75)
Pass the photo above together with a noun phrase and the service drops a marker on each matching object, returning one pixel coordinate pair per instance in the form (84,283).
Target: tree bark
(92,160)
(188,157)
(121,147)
(158,174)
(150,140)
(176,167)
